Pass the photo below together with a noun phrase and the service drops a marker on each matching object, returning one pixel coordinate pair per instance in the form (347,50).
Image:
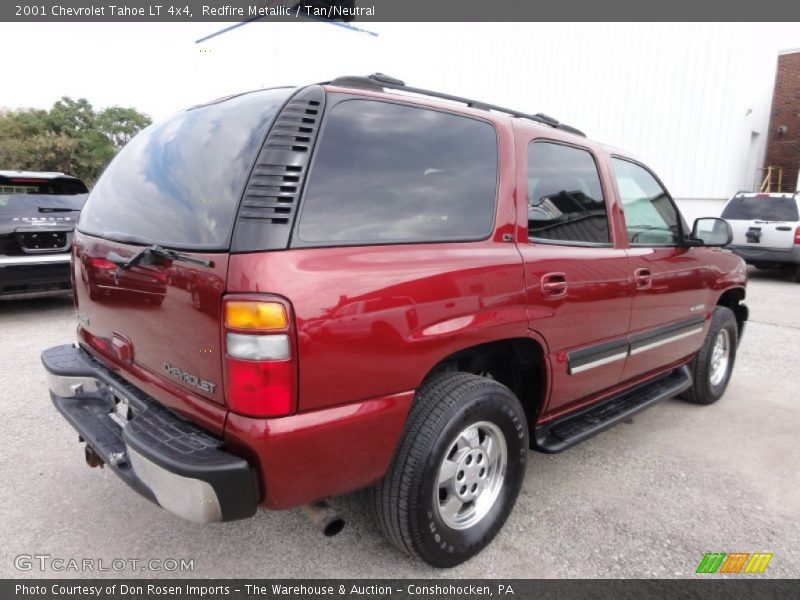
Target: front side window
(565,198)
(387,173)
(650,216)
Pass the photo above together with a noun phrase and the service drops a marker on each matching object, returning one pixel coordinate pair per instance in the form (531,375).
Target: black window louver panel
(273,191)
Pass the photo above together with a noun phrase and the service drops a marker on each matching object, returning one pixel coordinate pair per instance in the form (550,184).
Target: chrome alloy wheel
(720,357)
(471,475)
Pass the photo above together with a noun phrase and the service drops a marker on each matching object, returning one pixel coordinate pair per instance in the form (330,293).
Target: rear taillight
(797,236)
(256,316)
(261,369)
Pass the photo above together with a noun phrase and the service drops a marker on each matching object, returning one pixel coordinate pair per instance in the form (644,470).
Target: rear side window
(179,181)
(565,198)
(769,208)
(388,173)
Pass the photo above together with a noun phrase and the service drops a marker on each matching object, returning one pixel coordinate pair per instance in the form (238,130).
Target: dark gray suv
(38,212)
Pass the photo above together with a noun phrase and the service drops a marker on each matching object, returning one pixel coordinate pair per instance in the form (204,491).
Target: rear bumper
(320,454)
(34,273)
(754,255)
(166,459)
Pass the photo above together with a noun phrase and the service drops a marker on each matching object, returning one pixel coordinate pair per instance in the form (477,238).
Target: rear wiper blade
(154,250)
(46,209)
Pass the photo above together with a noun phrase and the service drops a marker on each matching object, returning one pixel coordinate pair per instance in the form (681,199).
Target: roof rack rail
(379,81)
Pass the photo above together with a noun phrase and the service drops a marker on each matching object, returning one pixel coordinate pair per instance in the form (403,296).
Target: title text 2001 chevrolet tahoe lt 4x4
(291,294)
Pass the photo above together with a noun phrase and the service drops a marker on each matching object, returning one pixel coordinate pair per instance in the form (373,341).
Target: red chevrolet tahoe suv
(290,294)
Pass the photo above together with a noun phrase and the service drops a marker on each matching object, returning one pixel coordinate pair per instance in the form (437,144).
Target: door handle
(643,279)
(783,228)
(554,285)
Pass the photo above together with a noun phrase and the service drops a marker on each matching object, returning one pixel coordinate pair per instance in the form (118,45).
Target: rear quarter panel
(373,321)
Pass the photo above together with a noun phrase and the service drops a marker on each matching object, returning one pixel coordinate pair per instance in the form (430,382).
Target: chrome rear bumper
(168,460)
(23,260)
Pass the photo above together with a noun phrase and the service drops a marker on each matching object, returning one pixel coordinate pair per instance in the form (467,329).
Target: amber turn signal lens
(260,316)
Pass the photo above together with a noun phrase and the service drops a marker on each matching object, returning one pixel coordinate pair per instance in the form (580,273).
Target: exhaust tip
(324,518)
(334,527)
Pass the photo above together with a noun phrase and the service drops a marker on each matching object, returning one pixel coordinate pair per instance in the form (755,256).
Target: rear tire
(711,368)
(797,273)
(437,501)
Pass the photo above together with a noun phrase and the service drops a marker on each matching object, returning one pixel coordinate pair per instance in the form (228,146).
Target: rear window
(388,173)
(770,208)
(49,187)
(21,195)
(179,181)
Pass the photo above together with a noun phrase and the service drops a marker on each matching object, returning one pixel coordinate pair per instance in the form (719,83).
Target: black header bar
(707,587)
(366,11)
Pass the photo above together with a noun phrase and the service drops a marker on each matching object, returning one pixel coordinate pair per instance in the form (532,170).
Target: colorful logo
(738,562)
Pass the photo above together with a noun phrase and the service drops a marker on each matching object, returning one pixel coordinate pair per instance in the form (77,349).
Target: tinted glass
(48,187)
(27,203)
(765,209)
(650,216)
(179,182)
(22,195)
(565,198)
(389,173)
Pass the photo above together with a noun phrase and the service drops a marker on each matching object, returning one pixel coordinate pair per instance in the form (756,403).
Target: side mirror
(712,231)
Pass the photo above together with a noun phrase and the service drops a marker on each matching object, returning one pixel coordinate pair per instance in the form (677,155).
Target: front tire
(457,471)
(712,367)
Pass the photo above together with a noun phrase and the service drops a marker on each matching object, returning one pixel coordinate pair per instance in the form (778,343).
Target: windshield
(178,182)
(770,208)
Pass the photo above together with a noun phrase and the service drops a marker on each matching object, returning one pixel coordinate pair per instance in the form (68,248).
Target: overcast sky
(158,69)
